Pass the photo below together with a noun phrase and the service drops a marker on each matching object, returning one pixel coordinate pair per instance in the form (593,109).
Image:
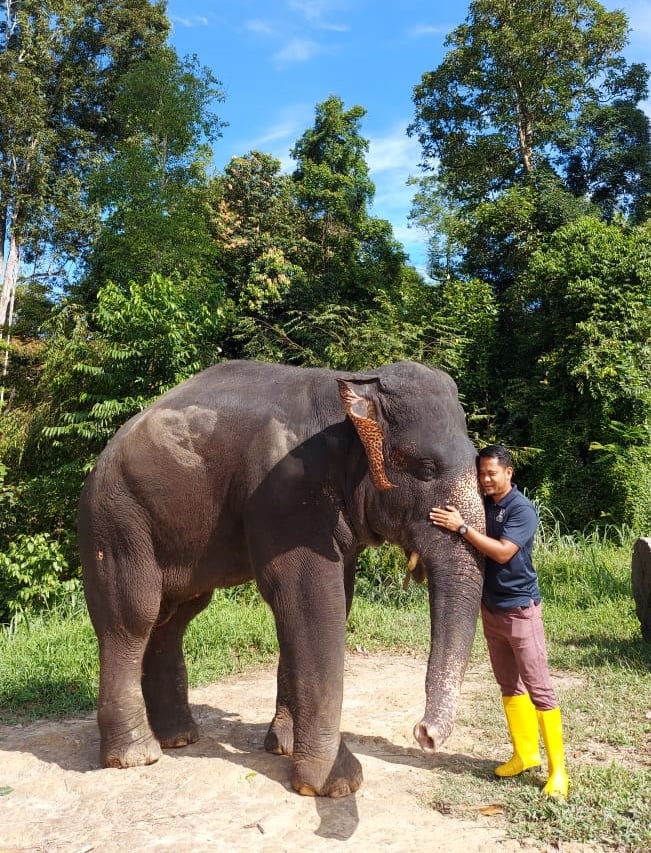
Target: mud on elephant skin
(282,474)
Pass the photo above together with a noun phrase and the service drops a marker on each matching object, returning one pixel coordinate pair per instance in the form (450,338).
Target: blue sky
(277,59)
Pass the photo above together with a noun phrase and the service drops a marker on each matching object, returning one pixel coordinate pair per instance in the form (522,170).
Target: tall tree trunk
(7,297)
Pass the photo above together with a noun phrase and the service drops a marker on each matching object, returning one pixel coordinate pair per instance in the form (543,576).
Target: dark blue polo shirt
(513,584)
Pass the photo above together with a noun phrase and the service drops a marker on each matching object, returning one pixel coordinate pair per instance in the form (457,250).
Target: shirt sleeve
(520,525)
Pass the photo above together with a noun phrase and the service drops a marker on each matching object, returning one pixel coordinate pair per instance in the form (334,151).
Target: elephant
(282,474)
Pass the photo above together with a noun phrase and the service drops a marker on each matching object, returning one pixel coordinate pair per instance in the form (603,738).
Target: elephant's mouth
(416,571)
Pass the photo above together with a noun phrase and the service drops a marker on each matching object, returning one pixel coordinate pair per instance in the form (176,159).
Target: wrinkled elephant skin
(252,470)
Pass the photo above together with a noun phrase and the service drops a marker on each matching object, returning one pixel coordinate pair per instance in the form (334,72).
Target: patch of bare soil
(225,793)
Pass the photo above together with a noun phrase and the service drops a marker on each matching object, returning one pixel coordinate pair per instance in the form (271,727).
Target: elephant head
(413,432)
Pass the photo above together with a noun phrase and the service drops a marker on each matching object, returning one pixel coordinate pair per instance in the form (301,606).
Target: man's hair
(499,452)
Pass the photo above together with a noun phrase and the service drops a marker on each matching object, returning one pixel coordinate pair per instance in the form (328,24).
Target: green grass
(48,667)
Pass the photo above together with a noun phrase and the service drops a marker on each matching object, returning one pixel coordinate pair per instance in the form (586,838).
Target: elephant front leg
(280,736)
(311,623)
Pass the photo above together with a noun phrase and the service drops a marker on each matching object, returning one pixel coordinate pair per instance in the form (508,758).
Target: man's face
(494,479)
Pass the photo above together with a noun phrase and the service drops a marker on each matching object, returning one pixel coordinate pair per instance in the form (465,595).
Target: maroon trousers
(518,653)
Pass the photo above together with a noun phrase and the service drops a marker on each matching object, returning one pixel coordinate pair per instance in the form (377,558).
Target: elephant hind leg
(165,678)
(123,614)
(126,739)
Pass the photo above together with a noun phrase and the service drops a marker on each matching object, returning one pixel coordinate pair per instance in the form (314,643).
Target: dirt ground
(225,793)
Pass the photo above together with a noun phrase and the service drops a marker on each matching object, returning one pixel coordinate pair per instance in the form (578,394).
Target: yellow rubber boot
(523,726)
(552,731)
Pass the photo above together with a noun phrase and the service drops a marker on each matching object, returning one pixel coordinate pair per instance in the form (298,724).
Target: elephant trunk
(455,574)
(454,613)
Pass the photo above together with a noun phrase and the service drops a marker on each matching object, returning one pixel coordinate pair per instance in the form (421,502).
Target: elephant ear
(363,414)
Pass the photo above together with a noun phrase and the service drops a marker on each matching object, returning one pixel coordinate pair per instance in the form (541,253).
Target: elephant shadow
(73,745)
(451,762)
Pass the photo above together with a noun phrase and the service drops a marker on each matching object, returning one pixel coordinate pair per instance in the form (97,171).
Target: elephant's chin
(431,737)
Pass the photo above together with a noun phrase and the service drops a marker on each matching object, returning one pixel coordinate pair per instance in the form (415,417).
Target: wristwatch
(462,529)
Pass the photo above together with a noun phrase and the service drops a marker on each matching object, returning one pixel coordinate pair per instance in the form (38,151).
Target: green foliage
(153,188)
(147,340)
(347,337)
(59,67)
(8,506)
(461,329)
(381,577)
(608,157)
(582,570)
(539,312)
(612,808)
(259,234)
(50,664)
(32,572)
(497,108)
(235,631)
(314,279)
(349,255)
(525,159)
(585,323)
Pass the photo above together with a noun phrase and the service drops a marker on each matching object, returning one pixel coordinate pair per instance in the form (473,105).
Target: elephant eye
(425,469)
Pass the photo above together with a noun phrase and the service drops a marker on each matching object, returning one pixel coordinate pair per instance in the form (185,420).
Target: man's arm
(500,550)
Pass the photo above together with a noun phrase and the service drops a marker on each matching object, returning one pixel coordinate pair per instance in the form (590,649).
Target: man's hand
(447,516)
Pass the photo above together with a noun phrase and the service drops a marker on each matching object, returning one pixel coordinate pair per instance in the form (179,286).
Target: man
(512,618)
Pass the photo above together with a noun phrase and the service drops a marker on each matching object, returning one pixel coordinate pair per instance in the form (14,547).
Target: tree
(144,340)
(59,65)
(301,258)
(505,101)
(609,158)
(530,129)
(259,235)
(585,327)
(533,103)
(351,261)
(351,253)
(152,188)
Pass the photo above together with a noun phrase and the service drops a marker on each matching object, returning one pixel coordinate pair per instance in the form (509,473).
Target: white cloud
(394,152)
(315,9)
(279,137)
(314,12)
(297,50)
(282,131)
(335,28)
(194,21)
(257,25)
(424,30)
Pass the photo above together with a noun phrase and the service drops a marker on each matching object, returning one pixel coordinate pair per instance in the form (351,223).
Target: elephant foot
(344,778)
(179,739)
(145,750)
(280,736)
(174,730)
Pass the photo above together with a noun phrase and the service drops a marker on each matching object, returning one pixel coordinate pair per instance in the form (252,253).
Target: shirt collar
(508,497)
